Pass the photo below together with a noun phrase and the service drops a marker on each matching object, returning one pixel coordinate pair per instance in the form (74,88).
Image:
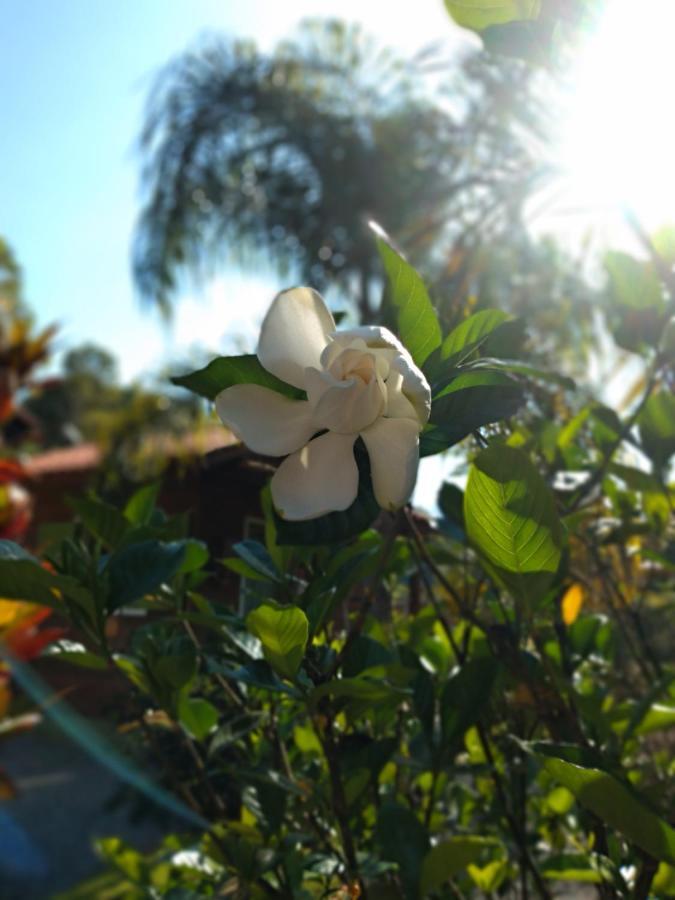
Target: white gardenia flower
(360,382)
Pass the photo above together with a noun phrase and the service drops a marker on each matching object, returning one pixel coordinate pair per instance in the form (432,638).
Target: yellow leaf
(572,603)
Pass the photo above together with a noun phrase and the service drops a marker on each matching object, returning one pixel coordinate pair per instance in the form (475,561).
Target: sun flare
(617,146)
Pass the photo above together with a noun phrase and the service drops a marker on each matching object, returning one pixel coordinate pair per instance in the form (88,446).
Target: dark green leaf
(103,520)
(224,371)
(140,569)
(283,632)
(464,699)
(417,323)
(471,400)
(403,840)
(470,334)
(512,521)
(257,557)
(22,579)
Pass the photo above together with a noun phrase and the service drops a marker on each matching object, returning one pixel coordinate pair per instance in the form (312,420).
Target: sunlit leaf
(283,632)
(616,805)
(450,857)
(417,322)
(197,716)
(470,334)
(512,521)
(479,14)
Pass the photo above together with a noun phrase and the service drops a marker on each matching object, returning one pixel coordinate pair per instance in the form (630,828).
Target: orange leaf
(572,603)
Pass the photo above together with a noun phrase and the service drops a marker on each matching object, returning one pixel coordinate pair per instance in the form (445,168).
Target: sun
(617,137)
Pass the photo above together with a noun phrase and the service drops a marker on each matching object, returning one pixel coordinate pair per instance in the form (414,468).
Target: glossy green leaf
(471,400)
(283,632)
(197,716)
(617,806)
(479,14)
(470,334)
(224,371)
(512,522)
(140,569)
(417,323)
(450,857)
(258,558)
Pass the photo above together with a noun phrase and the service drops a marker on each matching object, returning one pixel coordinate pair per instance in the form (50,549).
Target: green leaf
(140,569)
(283,632)
(177,669)
(336,526)
(617,805)
(257,557)
(479,14)
(224,371)
(102,519)
(517,368)
(23,579)
(464,698)
(512,522)
(470,334)
(451,857)
(417,323)
(196,555)
(471,400)
(197,716)
(571,867)
(403,840)
(657,427)
(141,504)
(77,654)
(370,690)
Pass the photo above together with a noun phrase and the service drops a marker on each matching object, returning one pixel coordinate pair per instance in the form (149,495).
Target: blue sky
(74,80)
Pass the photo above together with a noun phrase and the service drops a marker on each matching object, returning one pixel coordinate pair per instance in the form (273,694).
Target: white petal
(393,449)
(317,383)
(265,421)
(320,478)
(398,406)
(350,406)
(415,386)
(294,333)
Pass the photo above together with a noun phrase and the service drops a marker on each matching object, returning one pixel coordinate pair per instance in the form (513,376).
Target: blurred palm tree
(280,159)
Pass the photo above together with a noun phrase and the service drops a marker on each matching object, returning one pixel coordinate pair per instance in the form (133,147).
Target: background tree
(284,157)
